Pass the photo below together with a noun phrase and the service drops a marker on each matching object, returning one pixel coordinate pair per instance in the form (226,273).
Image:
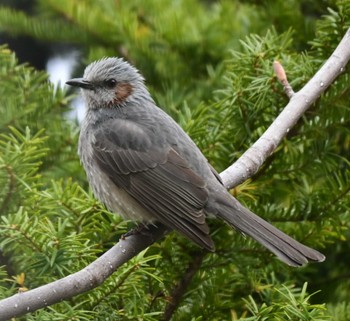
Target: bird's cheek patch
(122,92)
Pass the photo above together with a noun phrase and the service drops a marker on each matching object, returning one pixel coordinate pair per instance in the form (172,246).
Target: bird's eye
(110,83)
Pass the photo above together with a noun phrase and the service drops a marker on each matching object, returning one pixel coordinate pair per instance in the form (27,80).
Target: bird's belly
(117,200)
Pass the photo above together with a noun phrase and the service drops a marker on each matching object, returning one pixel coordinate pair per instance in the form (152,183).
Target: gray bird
(141,164)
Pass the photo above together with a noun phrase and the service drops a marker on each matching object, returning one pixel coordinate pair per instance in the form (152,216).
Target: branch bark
(95,273)
(249,163)
(82,281)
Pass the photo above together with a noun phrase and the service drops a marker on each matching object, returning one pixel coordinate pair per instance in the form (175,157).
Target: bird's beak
(80,82)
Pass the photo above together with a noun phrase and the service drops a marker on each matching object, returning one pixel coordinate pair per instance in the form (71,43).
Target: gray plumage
(142,165)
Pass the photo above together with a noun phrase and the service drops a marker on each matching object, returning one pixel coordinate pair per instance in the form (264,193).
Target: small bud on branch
(282,77)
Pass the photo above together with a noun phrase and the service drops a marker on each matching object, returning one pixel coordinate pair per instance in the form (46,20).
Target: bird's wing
(216,174)
(155,175)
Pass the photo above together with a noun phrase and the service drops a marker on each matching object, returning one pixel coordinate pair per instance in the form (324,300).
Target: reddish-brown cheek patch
(122,92)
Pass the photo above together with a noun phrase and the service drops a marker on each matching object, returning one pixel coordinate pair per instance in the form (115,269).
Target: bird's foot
(145,229)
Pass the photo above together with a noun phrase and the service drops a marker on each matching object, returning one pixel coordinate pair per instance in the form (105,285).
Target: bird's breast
(113,197)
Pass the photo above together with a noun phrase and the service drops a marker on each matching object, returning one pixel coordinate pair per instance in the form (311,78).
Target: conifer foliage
(208,64)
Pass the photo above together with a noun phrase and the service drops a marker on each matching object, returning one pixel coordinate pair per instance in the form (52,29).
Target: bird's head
(110,82)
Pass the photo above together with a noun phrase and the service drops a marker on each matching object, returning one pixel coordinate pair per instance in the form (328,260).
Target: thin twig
(282,77)
(181,287)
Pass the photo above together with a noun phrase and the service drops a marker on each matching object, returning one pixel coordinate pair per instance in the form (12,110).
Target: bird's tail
(286,248)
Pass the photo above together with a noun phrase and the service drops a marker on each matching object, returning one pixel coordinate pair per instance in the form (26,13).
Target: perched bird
(141,164)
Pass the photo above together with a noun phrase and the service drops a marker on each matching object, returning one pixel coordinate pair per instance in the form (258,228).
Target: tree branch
(95,273)
(249,163)
(84,280)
